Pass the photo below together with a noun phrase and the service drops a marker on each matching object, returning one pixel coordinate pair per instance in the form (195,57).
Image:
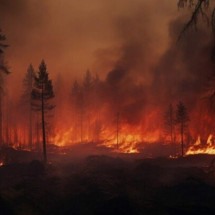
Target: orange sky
(132,43)
(73,36)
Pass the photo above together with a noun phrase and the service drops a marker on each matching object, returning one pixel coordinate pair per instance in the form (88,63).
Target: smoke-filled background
(137,66)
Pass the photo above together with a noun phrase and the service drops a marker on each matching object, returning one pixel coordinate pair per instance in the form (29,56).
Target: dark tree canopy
(28,83)
(42,88)
(3,46)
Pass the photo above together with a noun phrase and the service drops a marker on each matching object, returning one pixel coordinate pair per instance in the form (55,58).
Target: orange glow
(128,140)
(63,138)
(201,148)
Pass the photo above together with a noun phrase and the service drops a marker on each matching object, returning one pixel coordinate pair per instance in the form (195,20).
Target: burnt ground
(108,184)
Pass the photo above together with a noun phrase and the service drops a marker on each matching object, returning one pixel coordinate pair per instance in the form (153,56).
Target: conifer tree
(42,93)
(182,120)
(28,84)
(169,123)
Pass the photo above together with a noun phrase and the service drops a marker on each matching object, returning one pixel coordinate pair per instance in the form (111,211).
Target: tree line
(88,108)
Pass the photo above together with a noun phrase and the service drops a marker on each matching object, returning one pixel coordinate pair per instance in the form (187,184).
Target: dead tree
(169,123)
(199,10)
(182,120)
(3,71)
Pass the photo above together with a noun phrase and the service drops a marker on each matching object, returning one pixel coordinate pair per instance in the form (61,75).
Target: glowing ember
(173,156)
(1,164)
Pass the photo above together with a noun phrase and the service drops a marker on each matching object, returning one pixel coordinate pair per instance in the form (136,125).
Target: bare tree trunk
(30,115)
(38,134)
(172,130)
(7,122)
(1,127)
(182,139)
(30,128)
(117,131)
(43,127)
(81,126)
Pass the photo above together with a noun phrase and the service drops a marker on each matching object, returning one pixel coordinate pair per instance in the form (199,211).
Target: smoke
(142,79)
(183,70)
(131,45)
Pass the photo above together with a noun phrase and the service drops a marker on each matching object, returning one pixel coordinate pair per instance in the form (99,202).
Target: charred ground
(108,184)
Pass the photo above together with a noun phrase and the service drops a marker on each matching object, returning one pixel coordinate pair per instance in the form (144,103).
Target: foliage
(3,46)
(42,89)
(181,114)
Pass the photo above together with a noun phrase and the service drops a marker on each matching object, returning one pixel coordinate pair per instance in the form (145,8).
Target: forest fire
(123,138)
(107,107)
(200,147)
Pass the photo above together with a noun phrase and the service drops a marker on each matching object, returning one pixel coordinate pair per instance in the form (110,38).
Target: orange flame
(201,148)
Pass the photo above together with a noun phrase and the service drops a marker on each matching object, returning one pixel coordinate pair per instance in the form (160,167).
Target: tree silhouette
(3,71)
(3,46)
(28,84)
(169,123)
(199,10)
(41,94)
(182,120)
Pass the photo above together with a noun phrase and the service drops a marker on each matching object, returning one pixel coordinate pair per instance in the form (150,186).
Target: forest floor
(108,184)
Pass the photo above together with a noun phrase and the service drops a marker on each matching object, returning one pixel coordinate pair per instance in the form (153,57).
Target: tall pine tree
(42,93)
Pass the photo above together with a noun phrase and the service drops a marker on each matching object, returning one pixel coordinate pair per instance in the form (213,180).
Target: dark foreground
(109,185)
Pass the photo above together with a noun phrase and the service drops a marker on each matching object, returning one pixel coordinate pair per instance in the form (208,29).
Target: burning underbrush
(202,147)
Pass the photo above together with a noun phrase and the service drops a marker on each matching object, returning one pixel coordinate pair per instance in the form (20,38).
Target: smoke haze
(131,45)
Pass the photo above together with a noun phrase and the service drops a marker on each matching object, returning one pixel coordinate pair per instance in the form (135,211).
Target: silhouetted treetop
(3,46)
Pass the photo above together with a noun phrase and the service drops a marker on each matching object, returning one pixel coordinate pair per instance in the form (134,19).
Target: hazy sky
(73,36)
(132,43)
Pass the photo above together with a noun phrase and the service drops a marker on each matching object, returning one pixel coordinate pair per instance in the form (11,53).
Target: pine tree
(28,84)
(182,120)
(3,46)
(169,123)
(42,93)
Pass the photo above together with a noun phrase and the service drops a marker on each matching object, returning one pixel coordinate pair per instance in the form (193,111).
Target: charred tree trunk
(43,126)
(182,140)
(38,134)
(30,128)
(117,131)
(172,131)
(1,119)
(81,124)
